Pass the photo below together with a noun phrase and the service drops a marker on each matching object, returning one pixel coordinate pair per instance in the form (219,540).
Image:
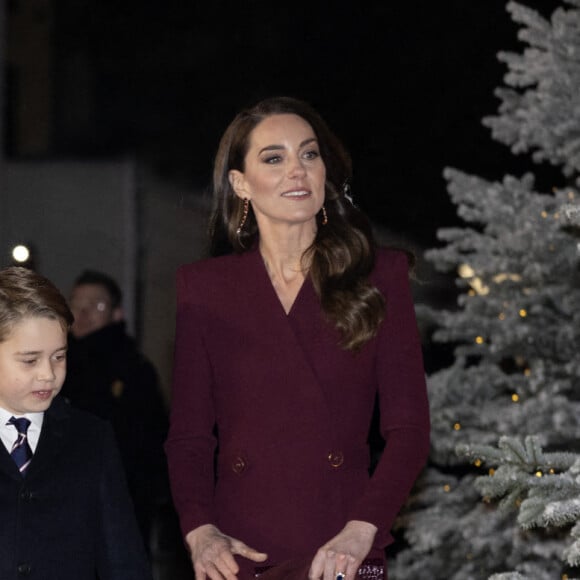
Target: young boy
(65,509)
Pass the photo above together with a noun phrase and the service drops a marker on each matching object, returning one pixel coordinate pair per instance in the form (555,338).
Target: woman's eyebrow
(275,147)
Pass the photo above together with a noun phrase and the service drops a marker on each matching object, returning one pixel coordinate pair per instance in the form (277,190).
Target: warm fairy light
(479,286)
(491,471)
(539,473)
(457,426)
(472,292)
(479,340)
(499,278)
(477,463)
(446,488)
(570,195)
(557,216)
(466,272)
(523,312)
(515,398)
(501,316)
(527,372)
(544,214)
(552,471)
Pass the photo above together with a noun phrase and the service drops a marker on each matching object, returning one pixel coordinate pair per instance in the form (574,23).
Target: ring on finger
(340,576)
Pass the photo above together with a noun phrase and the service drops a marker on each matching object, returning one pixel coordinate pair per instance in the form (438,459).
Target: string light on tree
(514,334)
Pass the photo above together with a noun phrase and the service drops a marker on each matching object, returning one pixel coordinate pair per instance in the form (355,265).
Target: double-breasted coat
(288,410)
(70,517)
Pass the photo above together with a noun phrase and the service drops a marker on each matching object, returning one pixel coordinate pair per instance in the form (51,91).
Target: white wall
(109,216)
(74,215)
(174,231)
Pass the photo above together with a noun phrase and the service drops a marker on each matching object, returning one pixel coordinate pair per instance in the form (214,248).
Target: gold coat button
(335,458)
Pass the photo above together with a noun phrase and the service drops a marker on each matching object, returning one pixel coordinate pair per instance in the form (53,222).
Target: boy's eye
(28,361)
(60,357)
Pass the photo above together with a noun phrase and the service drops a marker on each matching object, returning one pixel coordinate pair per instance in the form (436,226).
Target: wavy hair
(342,255)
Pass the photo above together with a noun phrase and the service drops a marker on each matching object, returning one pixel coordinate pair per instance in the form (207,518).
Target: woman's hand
(344,553)
(212,553)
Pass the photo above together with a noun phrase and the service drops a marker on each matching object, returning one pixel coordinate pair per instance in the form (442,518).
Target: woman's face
(284,174)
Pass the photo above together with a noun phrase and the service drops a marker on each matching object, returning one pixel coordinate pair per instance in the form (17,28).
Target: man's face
(91,307)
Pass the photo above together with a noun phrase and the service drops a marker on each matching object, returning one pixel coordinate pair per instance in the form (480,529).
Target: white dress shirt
(8,432)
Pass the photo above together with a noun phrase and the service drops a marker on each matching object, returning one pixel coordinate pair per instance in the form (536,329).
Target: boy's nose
(46,373)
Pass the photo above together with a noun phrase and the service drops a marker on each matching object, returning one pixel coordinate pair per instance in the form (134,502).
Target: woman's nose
(296,167)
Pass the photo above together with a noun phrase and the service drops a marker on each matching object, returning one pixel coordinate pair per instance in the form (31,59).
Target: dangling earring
(324,216)
(244,215)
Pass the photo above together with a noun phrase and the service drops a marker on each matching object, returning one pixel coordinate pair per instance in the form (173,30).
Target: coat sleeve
(191,442)
(120,550)
(404,408)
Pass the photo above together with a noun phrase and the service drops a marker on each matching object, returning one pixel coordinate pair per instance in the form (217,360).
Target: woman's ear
(236,179)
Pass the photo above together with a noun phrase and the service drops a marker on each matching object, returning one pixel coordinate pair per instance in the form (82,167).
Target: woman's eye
(272,159)
(313,154)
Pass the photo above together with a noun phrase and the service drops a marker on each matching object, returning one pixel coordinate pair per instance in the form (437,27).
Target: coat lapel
(305,335)
(274,315)
(7,464)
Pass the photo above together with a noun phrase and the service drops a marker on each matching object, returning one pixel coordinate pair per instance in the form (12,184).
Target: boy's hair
(101,279)
(25,293)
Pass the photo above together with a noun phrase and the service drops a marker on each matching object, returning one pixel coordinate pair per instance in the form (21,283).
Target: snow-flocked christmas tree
(500,497)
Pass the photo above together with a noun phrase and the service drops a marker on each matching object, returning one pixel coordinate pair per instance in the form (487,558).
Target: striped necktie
(21,452)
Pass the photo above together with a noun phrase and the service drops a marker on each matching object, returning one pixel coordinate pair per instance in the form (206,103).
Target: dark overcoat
(71,516)
(109,376)
(290,409)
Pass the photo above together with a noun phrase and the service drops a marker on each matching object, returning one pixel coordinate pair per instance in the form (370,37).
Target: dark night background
(404,84)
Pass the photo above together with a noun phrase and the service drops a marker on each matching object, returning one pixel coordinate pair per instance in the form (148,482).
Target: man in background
(109,376)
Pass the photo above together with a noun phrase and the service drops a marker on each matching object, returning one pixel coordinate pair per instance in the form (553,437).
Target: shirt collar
(35,418)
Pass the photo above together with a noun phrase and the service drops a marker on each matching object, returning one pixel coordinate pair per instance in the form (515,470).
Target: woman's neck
(283,255)
(284,265)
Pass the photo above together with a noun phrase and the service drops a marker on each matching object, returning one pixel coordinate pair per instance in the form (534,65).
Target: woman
(281,348)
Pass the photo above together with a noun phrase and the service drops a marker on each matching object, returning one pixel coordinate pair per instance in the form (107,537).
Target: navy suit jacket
(292,409)
(70,517)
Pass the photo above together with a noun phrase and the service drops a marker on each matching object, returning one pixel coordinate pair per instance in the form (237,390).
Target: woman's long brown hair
(342,255)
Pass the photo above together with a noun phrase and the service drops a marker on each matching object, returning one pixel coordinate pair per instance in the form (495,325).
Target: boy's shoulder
(62,411)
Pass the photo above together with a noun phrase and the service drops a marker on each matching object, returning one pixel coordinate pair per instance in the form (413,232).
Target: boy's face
(32,365)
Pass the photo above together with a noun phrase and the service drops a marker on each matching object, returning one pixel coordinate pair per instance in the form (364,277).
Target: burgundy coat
(291,409)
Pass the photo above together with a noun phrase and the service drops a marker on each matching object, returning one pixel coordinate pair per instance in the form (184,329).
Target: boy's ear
(237,181)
